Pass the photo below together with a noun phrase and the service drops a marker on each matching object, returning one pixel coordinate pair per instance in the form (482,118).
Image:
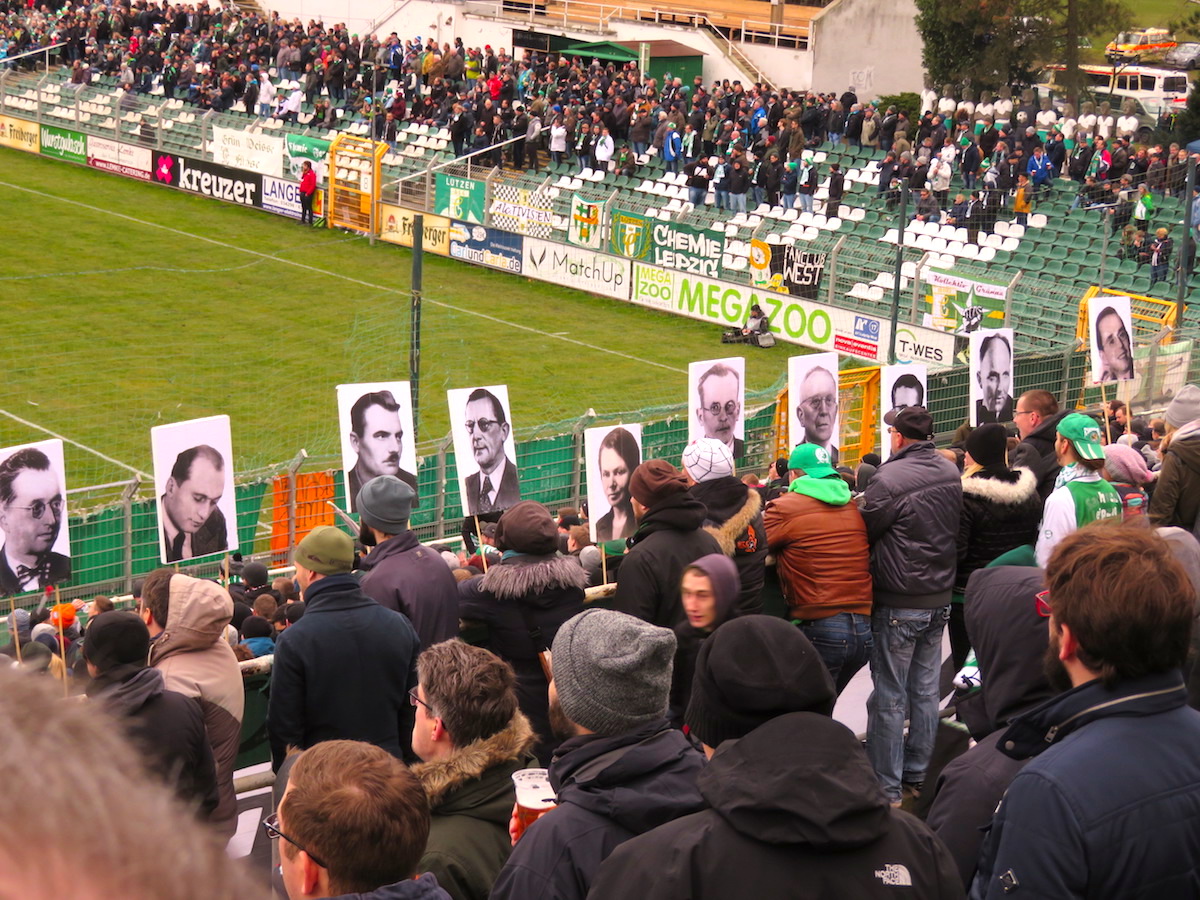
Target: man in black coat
(400,572)
(793,804)
(668,537)
(166,726)
(344,670)
(1036,416)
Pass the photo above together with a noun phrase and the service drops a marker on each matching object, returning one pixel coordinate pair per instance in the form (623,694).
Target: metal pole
(1181,286)
(127,551)
(901,216)
(293,468)
(1103,251)
(414,341)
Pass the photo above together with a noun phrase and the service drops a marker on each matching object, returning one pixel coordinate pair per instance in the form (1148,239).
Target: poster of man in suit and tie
(484,448)
(193,477)
(36,553)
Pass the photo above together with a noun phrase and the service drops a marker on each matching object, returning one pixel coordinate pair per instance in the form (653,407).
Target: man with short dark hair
(31,508)
(377,436)
(720,393)
(1037,416)
(471,737)
(496,485)
(192,523)
(353,823)
(344,670)
(400,572)
(1108,805)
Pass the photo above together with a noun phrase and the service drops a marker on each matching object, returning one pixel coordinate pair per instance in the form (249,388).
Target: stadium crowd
(688,734)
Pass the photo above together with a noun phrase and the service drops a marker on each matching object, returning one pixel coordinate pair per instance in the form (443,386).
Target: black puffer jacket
(668,538)
(796,811)
(912,509)
(735,519)
(520,594)
(1010,640)
(1001,511)
(1036,453)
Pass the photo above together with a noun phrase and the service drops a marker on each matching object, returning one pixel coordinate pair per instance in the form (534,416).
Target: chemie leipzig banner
(459,198)
(787,270)
(486,246)
(209,179)
(259,153)
(963,303)
(298,148)
(584,227)
(667,244)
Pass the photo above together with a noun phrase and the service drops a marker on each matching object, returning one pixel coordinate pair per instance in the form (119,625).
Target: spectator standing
(1036,416)
(819,541)
(308,193)
(1160,255)
(709,591)
(1176,499)
(912,509)
(400,573)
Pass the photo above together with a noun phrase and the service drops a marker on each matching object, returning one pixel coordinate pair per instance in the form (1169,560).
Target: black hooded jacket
(1010,641)
(668,537)
(1036,453)
(795,811)
(735,519)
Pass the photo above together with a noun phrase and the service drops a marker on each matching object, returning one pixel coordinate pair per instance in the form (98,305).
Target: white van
(1157,89)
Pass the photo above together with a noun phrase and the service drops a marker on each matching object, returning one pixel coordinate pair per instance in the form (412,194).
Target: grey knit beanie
(612,671)
(1184,408)
(385,503)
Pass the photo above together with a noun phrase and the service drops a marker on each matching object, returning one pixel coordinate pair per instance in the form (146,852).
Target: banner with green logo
(668,244)
(64,144)
(459,198)
(963,303)
(300,148)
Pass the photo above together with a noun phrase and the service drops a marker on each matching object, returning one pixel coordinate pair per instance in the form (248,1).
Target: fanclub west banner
(19,134)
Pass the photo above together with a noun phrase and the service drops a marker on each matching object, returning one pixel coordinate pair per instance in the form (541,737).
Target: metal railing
(777,34)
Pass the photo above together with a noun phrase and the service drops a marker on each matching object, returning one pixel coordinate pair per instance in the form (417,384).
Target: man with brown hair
(1036,416)
(353,822)
(472,738)
(1108,805)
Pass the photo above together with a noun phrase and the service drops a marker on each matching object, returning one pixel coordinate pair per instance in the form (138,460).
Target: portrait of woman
(617,456)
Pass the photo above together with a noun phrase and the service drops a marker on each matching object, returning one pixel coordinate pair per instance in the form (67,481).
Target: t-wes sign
(209,179)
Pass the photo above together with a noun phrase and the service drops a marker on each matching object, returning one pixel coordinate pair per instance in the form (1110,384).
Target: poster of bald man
(1111,332)
(813,401)
(36,553)
(716,396)
(991,376)
(193,479)
(484,448)
(375,426)
(899,386)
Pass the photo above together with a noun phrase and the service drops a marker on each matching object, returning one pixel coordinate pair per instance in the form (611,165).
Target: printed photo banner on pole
(522,211)
(667,244)
(33,526)
(246,150)
(193,480)
(963,303)
(899,387)
(584,227)
(1110,330)
(487,246)
(459,198)
(991,376)
(611,453)
(485,452)
(787,270)
(814,400)
(375,423)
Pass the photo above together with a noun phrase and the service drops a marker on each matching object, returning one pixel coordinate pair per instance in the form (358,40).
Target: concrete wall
(784,66)
(357,14)
(870,45)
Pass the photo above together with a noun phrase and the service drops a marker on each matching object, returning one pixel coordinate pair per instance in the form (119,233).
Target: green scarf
(832,490)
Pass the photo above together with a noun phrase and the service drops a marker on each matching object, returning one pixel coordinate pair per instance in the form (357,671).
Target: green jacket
(471,796)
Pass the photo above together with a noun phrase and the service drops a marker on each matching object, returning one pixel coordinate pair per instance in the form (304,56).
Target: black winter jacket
(404,575)
(912,508)
(1001,511)
(1036,453)
(1009,640)
(735,519)
(795,811)
(610,789)
(667,539)
(1176,499)
(343,672)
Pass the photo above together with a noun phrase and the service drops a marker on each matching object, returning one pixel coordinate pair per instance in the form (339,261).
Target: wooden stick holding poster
(479,538)
(62,644)
(603,565)
(12,617)
(1107,417)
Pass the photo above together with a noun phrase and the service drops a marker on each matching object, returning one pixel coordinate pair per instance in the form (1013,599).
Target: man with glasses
(353,823)
(31,508)
(720,393)
(495,485)
(817,409)
(1107,805)
(1037,416)
(343,670)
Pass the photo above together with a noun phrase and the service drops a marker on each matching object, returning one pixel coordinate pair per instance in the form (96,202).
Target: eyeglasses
(1022,412)
(828,401)
(715,409)
(1041,602)
(417,701)
(38,508)
(271,827)
(485,425)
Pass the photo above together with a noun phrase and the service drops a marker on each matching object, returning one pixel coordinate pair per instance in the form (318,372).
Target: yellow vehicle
(1140,45)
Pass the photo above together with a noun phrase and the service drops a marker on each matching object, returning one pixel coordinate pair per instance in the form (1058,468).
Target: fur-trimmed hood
(511,745)
(526,577)
(1017,488)
(728,533)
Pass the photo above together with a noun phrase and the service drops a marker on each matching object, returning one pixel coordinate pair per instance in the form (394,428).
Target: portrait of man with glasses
(32,507)
(483,441)
(813,388)
(719,395)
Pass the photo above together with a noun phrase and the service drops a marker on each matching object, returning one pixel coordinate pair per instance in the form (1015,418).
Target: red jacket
(308,183)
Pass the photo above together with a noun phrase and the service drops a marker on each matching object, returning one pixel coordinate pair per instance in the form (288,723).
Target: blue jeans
(737,202)
(806,202)
(843,642)
(723,199)
(789,201)
(639,148)
(696,196)
(906,660)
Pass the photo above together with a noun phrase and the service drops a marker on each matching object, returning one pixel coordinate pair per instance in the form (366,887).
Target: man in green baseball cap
(1080,495)
(820,544)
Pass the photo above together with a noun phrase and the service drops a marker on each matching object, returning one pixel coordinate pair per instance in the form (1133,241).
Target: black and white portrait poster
(375,426)
(611,454)
(484,448)
(899,386)
(716,397)
(36,553)
(1110,330)
(813,401)
(193,480)
(991,375)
